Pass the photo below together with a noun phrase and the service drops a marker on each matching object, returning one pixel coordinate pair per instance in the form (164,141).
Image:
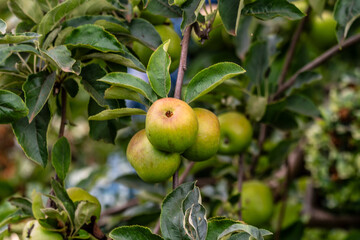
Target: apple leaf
(252,231)
(116,113)
(37,89)
(257,62)
(345,13)
(191,10)
(162,7)
(32,136)
(230,12)
(266,10)
(18,38)
(209,78)
(60,57)
(133,233)
(37,205)
(131,82)
(54,16)
(217,225)
(84,211)
(12,107)
(23,203)
(158,70)
(144,32)
(94,37)
(122,93)
(61,157)
(304,79)
(26,9)
(2,26)
(62,195)
(93,7)
(113,27)
(195,223)
(302,105)
(172,215)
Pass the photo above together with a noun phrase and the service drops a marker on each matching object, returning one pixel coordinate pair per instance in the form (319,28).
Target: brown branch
(186,172)
(240,182)
(63,112)
(315,63)
(291,51)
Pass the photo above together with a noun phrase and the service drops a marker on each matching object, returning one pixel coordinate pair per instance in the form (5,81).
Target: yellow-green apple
(33,231)
(208,136)
(235,133)
(257,203)
(78,194)
(151,164)
(323,28)
(171,125)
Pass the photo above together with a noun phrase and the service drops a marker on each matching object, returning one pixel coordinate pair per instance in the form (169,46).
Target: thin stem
(24,62)
(261,140)
(63,112)
(315,63)
(186,172)
(290,53)
(14,74)
(240,182)
(35,60)
(157,227)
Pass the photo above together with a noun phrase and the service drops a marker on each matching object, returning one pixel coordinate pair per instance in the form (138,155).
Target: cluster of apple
(173,128)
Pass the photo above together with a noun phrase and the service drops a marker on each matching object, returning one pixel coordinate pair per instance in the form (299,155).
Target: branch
(261,140)
(186,172)
(316,62)
(179,80)
(240,182)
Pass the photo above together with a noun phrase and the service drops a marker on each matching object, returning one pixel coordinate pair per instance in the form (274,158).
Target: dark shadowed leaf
(61,157)
(133,233)
(12,107)
(145,32)
(37,89)
(345,13)
(62,195)
(209,78)
(257,62)
(162,7)
(265,10)
(230,12)
(304,79)
(71,87)
(302,105)
(82,20)
(281,151)
(32,136)
(23,203)
(191,9)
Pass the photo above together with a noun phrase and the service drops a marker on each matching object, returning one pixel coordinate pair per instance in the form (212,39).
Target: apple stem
(240,181)
(179,80)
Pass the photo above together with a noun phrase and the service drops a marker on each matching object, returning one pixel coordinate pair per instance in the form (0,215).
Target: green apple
(323,30)
(257,203)
(208,136)
(151,165)
(153,18)
(33,230)
(78,194)
(171,125)
(174,50)
(235,133)
(179,2)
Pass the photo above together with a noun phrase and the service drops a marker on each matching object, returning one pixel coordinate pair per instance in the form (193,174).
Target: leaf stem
(63,112)
(24,62)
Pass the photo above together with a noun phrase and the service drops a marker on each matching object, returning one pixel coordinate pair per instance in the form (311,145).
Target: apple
(257,203)
(179,2)
(78,194)
(153,18)
(208,136)
(33,230)
(323,30)
(151,165)
(171,125)
(142,51)
(235,133)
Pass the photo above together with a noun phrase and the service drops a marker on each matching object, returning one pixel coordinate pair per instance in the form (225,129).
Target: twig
(261,140)
(315,63)
(24,62)
(179,80)
(240,182)
(63,112)
(186,172)
(157,227)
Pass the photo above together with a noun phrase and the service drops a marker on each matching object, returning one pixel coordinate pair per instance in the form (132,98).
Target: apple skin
(257,203)
(235,133)
(78,194)
(208,137)
(171,125)
(151,165)
(323,30)
(33,231)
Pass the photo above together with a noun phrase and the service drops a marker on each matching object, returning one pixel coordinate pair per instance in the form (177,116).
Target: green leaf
(18,38)
(37,205)
(172,216)
(122,93)
(257,62)
(345,13)
(196,218)
(60,57)
(191,9)
(251,230)
(131,82)
(162,7)
(71,87)
(24,48)
(281,151)
(12,107)
(37,89)
(61,216)
(112,26)
(116,113)
(26,9)
(218,225)
(62,195)
(84,211)
(14,218)
(93,7)
(2,26)
(230,12)
(133,233)
(82,20)
(47,5)
(54,16)
(94,37)
(302,105)
(144,32)
(23,203)
(158,70)
(209,78)
(61,157)
(126,59)
(303,80)
(32,136)
(265,10)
